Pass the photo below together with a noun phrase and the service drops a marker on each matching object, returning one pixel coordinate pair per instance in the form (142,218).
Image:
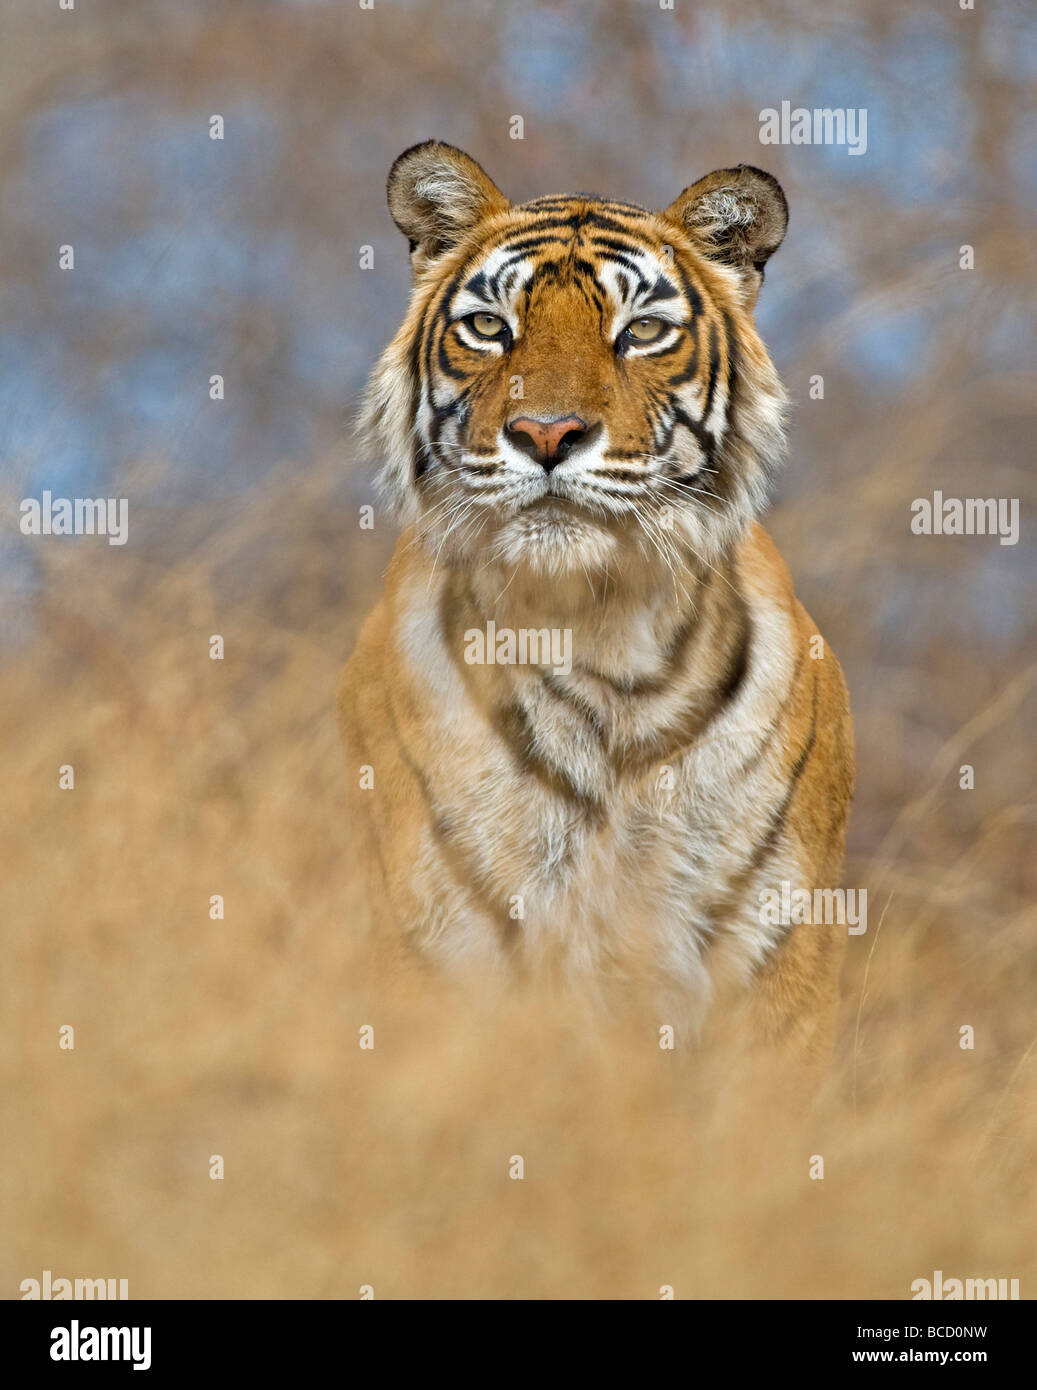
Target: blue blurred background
(240,257)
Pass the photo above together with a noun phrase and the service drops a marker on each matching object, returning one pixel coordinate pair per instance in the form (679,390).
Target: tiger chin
(578,425)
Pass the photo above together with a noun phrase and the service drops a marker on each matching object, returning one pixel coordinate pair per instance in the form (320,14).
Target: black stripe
(608,245)
(672,657)
(732,366)
(467,875)
(673,347)
(663,289)
(608,224)
(625,248)
(552,202)
(693,723)
(772,728)
(728,902)
(592,292)
(707,442)
(509,720)
(714,366)
(683,377)
(531,241)
(738,666)
(589,269)
(777,822)
(420,453)
(514,728)
(631,265)
(438,318)
(691,290)
(542,224)
(422,459)
(444,362)
(506,266)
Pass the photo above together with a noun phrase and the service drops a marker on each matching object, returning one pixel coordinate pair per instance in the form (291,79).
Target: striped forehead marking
(588,242)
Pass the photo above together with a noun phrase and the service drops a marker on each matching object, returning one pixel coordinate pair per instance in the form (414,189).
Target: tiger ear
(735,216)
(437,194)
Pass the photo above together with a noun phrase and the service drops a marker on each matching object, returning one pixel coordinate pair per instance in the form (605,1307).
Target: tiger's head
(577,379)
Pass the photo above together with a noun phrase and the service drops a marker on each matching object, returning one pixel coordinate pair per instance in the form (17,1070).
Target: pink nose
(546,441)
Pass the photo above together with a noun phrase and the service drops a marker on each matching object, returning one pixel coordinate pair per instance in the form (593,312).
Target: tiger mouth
(566,512)
(553,502)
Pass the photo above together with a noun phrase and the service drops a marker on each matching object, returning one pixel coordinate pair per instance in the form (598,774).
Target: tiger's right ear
(737,217)
(437,194)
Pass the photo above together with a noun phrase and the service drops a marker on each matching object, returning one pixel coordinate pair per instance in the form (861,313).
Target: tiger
(590,731)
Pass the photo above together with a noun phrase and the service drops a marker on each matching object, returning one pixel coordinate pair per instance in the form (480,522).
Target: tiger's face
(577,379)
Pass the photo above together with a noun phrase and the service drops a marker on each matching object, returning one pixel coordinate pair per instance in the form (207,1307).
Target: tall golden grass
(390,1167)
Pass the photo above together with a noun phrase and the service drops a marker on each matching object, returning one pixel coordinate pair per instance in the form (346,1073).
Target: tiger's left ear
(437,194)
(737,217)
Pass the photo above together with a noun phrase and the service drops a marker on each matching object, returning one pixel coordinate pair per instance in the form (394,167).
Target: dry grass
(390,1168)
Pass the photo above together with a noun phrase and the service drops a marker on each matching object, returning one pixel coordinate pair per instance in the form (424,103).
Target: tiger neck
(622,628)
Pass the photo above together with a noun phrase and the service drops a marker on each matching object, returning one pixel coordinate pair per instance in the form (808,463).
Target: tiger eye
(645,330)
(487,325)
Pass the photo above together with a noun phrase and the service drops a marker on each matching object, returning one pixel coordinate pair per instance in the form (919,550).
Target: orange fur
(613,820)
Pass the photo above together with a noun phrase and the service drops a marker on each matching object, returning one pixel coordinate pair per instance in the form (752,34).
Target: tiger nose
(546,441)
